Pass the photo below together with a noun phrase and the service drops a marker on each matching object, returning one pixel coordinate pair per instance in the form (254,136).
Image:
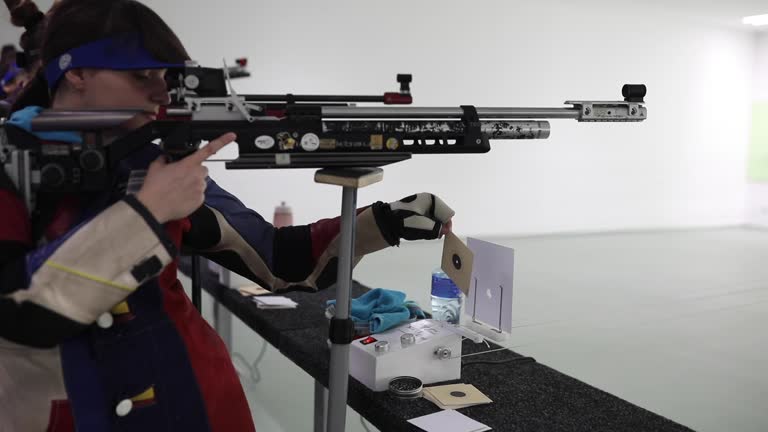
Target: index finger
(214,146)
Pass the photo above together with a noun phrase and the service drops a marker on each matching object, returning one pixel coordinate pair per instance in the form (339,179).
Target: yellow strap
(87,276)
(148,394)
(121,308)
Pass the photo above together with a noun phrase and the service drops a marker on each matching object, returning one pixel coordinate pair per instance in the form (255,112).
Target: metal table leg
(321,407)
(222,323)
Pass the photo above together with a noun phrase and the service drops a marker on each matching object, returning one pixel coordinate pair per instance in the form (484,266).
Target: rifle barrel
(457,112)
(81,119)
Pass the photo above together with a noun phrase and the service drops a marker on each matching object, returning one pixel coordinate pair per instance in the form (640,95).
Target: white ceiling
(718,9)
(718,12)
(723,12)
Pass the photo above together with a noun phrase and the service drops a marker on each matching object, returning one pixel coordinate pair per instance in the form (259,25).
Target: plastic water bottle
(283,216)
(446,298)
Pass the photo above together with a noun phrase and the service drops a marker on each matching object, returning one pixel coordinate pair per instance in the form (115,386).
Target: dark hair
(25,13)
(72,23)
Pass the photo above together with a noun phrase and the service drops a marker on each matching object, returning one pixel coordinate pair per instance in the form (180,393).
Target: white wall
(9,33)
(685,166)
(761,66)
(757,201)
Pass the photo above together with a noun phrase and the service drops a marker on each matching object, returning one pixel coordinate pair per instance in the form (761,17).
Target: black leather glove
(416,217)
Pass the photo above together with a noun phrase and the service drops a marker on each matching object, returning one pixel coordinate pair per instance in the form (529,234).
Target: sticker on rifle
(393,143)
(327,144)
(264,142)
(310,142)
(285,141)
(191,82)
(377,142)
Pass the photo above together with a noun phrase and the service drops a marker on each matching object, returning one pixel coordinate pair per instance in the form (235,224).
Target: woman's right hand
(174,190)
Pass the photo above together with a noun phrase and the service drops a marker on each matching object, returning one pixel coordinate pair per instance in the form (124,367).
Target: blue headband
(121,52)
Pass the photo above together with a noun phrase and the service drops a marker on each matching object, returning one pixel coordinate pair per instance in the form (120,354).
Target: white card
(275,302)
(448,421)
(490,290)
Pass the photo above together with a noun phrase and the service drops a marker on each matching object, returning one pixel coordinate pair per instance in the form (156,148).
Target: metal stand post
(196,282)
(321,407)
(342,328)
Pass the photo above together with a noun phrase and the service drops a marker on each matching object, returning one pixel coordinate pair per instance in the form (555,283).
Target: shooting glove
(416,217)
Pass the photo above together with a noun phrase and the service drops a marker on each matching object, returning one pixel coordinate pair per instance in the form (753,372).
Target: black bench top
(527,396)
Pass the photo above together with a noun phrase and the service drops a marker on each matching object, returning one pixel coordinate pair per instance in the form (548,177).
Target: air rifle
(281,130)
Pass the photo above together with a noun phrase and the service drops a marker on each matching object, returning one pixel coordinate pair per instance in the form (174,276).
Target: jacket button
(105,320)
(124,407)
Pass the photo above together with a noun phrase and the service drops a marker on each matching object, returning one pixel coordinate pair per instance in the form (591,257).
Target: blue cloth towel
(381,309)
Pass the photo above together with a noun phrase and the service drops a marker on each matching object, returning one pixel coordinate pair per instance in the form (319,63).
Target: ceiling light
(756,20)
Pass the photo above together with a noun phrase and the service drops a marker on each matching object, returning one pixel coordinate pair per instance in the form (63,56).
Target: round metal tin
(406,387)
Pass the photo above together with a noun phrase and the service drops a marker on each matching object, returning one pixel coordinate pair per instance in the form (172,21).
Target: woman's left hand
(422,216)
